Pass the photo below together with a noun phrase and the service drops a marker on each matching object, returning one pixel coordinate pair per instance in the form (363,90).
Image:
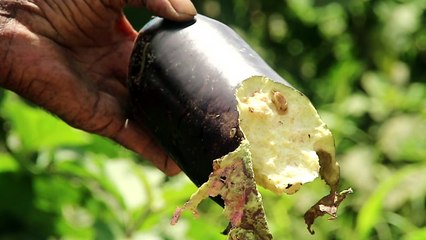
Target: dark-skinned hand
(71,58)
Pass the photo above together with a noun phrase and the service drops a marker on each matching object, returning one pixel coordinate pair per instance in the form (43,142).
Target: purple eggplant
(182,79)
(207,96)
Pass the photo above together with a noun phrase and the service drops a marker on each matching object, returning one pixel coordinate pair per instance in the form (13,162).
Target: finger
(142,143)
(178,10)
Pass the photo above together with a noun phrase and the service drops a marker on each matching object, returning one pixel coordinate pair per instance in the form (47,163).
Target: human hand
(71,58)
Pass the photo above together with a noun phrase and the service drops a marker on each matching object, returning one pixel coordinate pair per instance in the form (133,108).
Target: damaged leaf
(326,205)
(233,179)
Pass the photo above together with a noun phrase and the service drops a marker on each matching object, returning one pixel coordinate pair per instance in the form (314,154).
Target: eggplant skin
(182,81)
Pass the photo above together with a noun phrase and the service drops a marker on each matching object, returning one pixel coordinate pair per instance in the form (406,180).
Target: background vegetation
(361,63)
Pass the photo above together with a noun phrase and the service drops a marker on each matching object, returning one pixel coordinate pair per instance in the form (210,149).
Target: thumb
(178,10)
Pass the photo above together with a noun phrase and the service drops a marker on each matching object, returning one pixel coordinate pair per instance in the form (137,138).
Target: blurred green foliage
(361,63)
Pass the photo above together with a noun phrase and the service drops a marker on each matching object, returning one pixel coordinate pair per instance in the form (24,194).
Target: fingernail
(184,8)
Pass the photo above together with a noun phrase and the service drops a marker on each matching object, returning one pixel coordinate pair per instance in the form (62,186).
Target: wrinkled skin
(71,57)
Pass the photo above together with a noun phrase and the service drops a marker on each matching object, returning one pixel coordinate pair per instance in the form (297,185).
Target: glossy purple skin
(182,81)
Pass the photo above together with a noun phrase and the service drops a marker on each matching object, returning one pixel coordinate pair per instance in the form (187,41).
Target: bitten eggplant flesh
(285,133)
(228,120)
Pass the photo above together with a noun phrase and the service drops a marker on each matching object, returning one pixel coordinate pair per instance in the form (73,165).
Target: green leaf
(419,234)
(370,214)
(8,163)
(402,138)
(36,129)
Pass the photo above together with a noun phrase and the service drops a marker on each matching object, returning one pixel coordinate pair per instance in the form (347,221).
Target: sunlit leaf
(370,213)
(402,138)
(7,163)
(419,234)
